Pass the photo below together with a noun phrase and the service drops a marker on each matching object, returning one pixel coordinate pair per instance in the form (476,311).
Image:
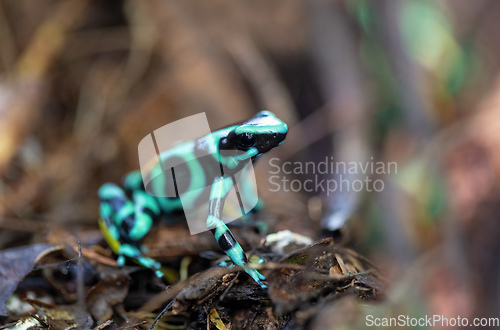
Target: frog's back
(188,167)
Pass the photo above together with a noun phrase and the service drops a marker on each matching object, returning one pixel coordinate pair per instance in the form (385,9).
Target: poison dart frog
(127,215)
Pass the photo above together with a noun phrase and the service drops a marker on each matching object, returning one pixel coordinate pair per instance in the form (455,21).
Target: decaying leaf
(15,264)
(110,291)
(215,319)
(61,317)
(328,270)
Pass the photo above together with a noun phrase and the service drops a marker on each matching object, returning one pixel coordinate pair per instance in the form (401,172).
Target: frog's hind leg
(124,223)
(220,188)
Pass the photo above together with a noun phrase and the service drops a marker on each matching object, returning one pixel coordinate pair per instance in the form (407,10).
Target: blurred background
(412,82)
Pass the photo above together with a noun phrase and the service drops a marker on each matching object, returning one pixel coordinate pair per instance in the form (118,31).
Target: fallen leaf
(15,264)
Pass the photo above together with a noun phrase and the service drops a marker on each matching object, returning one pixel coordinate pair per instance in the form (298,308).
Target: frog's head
(258,135)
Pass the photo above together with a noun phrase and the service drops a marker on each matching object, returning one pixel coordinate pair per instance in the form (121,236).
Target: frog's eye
(246,140)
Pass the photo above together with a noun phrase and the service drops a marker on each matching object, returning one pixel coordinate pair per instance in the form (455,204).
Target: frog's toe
(121,260)
(257,277)
(262,285)
(262,277)
(226,264)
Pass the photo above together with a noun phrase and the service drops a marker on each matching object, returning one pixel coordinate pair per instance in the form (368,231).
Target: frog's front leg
(248,190)
(124,223)
(251,202)
(133,252)
(220,189)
